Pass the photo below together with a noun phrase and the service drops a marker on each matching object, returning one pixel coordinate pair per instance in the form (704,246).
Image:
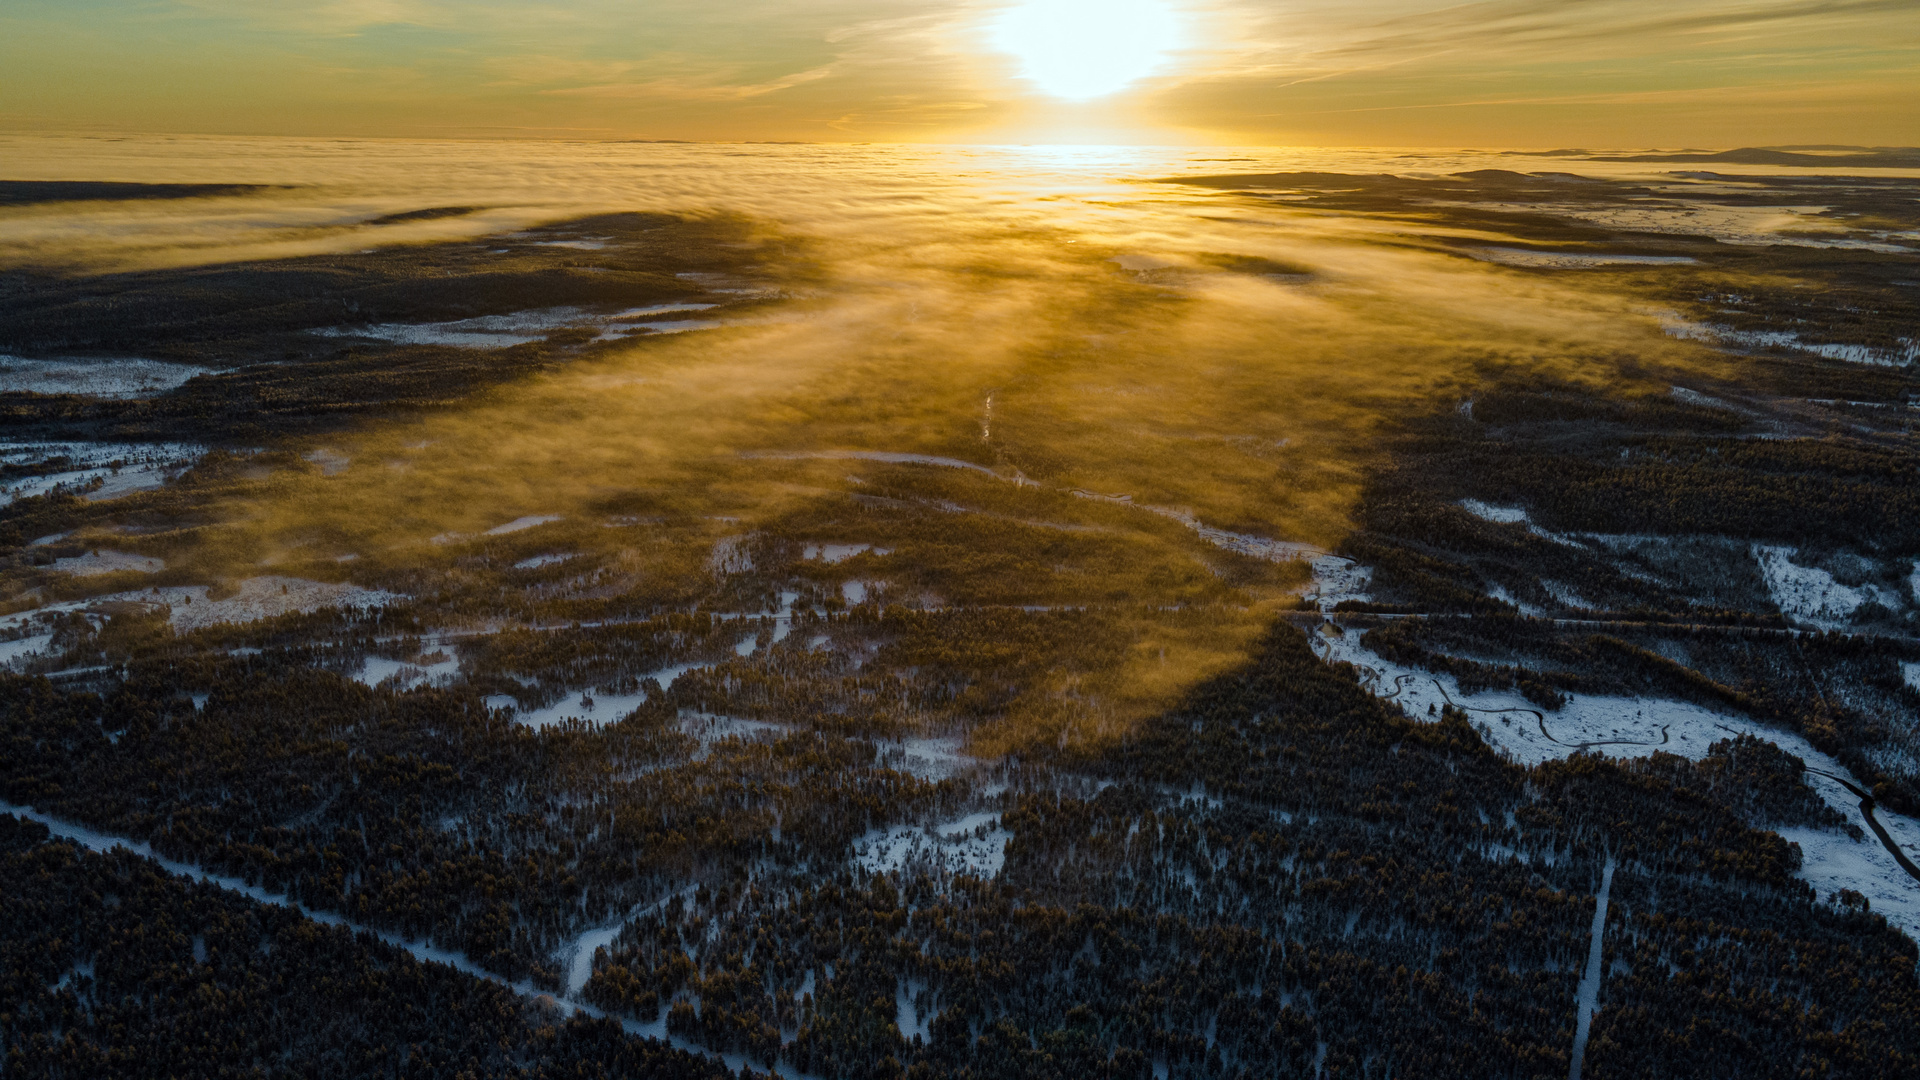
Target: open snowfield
(526,327)
(117,468)
(94,563)
(114,379)
(1572,260)
(1638,727)
(1810,596)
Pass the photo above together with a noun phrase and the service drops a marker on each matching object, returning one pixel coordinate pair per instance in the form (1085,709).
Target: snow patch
(539,561)
(378,670)
(1500,515)
(1639,727)
(95,563)
(521,327)
(730,556)
(838,553)
(592,707)
(256,599)
(23,648)
(1570,260)
(1811,596)
(331,462)
(523,524)
(975,844)
(1337,579)
(1903,354)
(98,470)
(580,955)
(117,379)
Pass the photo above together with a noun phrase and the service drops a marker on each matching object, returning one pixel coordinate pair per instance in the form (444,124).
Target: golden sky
(1534,73)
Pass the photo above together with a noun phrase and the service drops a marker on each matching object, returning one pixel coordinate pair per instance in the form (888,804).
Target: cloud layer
(1416,72)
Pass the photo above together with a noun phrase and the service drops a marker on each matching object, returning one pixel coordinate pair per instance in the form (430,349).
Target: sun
(1084,49)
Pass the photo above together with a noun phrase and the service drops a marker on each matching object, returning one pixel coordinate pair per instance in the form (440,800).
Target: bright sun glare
(1082,49)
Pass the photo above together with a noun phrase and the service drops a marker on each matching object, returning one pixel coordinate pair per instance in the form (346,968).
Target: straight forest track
(102,843)
(1589,993)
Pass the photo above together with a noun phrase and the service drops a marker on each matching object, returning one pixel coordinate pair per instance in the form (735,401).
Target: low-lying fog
(1052,316)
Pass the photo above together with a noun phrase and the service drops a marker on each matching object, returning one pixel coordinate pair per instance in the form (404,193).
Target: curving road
(1879,830)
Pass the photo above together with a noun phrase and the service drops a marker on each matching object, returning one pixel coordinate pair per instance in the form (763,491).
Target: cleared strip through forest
(102,843)
(1590,982)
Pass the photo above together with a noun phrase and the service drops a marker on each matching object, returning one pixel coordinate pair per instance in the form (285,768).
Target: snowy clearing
(256,599)
(97,470)
(1904,354)
(1638,727)
(23,648)
(833,554)
(593,708)
(95,563)
(975,844)
(523,524)
(116,379)
(1501,515)
(539,561)
(1811,596)
(1571,260)
(930,759)
(521,327)
(378,670)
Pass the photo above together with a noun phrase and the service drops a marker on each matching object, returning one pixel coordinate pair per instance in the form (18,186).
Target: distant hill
(28,192)
(1890,158)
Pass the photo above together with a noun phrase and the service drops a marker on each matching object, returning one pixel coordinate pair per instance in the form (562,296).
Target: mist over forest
(697,610)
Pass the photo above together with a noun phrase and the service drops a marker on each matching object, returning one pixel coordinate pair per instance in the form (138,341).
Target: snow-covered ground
(1811,596)
(11,652)
(1904,354)
(539,561)
(1503,515)
(975,844)
(884,457)
(378,669)
(839,553)
(525,327)
(1336,579)
(256,599)
(523,524)
(95,563)
(593,707)
(929,759)
(120,468)
(122,379)
(1570,260)
(1638,727)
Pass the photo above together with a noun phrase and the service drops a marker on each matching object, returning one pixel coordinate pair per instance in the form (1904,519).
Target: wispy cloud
(327,16)
(704,87)
(1310,44)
